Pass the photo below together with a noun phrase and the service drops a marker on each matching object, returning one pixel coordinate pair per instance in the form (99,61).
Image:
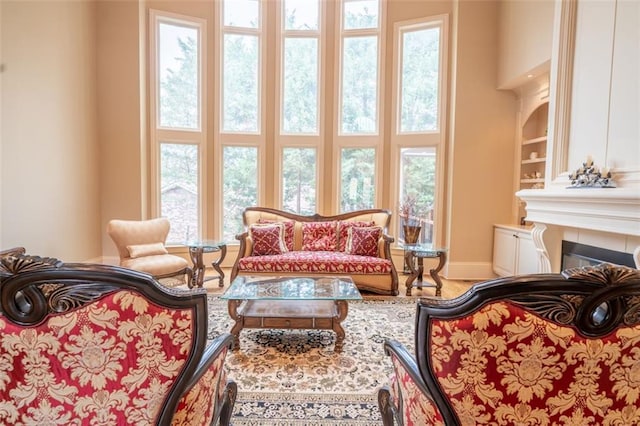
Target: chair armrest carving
(410,402)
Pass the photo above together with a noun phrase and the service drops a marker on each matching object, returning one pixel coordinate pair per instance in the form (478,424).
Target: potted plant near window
(410,215)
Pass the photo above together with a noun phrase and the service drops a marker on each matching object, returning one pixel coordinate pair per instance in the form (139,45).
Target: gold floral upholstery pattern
(540,349)
(195,407)
(507,365)
(417,409)
(109,362)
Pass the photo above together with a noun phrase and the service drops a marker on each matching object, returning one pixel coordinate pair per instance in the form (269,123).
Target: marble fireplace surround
(601,217)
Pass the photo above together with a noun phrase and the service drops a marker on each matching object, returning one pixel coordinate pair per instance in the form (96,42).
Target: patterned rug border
(286,409)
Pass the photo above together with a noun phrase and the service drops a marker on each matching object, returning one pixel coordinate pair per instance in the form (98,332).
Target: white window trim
(421,139)
(159,134)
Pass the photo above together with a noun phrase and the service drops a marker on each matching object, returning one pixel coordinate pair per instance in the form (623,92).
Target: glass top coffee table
(290,303)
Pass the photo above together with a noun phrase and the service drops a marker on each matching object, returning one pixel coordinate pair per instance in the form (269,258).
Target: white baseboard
(468,271)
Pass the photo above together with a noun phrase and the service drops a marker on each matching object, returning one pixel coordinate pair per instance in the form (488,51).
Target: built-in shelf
(537,180)
(535,160)
(535,140)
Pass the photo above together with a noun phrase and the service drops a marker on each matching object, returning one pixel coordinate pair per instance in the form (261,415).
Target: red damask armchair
(97,344)
(544,349)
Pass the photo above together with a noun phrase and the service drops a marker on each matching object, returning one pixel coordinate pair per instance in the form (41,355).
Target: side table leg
(414,272)
(216,265)
(195,253)
(434,273)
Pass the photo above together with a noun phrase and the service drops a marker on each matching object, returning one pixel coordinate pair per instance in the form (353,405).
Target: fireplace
(577,255)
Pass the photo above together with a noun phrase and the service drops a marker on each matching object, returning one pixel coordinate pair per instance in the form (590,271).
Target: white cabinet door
(527,259)
(504,252)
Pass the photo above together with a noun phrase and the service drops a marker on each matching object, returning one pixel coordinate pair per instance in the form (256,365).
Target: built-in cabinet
(514,252)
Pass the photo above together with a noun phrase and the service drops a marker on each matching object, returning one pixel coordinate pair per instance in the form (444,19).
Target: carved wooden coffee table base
(289,314)
(314,303)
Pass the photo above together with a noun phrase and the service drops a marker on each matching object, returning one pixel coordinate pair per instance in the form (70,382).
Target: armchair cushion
(141,250)
(157,265)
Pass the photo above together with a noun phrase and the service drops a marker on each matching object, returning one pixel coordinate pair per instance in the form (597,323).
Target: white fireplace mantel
(615,210)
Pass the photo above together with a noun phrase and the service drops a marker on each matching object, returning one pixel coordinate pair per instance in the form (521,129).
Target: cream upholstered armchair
(140,244)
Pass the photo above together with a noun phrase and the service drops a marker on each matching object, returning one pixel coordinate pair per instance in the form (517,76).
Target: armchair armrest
(408,400)
(209,395)
(386,243)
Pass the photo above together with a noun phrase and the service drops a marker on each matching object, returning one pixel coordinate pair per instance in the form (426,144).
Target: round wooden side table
(196,251)
(416,253)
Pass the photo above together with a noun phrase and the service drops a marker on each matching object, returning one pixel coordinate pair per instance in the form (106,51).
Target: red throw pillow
(288,231)
(363,241)
(319,236)
(267,239)
(343,231)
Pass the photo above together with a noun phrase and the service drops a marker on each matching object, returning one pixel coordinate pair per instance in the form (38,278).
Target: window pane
(418,183)
(360,14)
(356,178)
(242,13)
(179,190)
(300,97)
(359,84)
(178,73)
(240,187)
(301,14)
(240,109)
(299,180)
(420,68)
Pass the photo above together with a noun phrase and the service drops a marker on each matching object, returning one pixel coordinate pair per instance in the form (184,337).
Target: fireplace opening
(576,255)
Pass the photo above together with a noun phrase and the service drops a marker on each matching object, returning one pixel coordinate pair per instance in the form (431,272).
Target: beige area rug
(294,377)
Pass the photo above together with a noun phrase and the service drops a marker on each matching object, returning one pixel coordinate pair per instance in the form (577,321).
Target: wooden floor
(450,288)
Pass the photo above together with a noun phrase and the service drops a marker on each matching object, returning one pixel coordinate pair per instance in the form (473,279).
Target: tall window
(241,128)
(299,139)
(359,135)
(299,180)
(177,131)
(418,116)
(357,166)
(360,38)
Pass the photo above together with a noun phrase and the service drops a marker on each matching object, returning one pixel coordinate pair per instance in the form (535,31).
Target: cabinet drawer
(288,322)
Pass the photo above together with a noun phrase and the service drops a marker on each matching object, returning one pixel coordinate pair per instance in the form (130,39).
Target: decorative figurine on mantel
(590,176)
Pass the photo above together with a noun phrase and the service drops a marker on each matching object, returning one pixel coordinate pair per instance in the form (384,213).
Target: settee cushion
(319,236)
(329,262)
(288,231)
(363,241)
(267,239)
(343,231)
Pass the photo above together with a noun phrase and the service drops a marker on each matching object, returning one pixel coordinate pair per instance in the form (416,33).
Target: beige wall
(525,33)
(122,124)
(49,182)
(481,143)
(95,190)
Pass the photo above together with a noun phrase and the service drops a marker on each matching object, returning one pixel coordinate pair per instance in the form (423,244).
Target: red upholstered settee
(545,349)
(279,243)
(96,344)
